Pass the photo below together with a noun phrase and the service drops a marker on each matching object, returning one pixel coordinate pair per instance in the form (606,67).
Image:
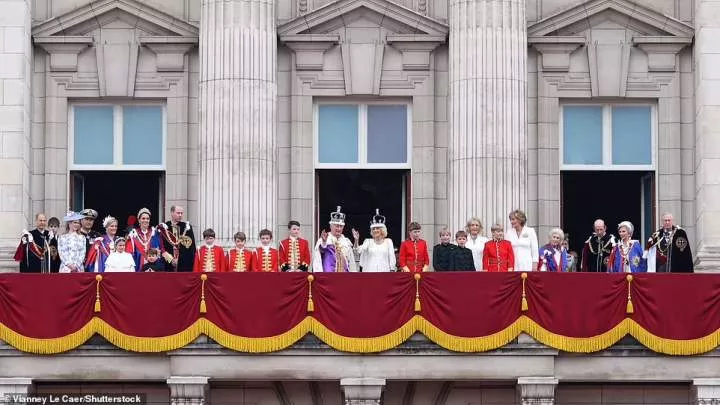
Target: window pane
(582,135)
(387,134)
(338,134)
(93,137)
(142,135)
(631,135)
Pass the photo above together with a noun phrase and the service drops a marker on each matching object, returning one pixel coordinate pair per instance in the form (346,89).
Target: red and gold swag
(360,312)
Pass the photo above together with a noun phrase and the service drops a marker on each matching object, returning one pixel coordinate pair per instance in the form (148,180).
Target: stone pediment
(104,13)
(344,13)
(641,20)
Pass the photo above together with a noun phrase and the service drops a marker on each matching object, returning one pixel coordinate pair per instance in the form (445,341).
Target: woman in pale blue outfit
(71,246)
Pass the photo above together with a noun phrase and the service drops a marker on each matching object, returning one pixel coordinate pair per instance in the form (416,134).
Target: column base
(537,390)
(188,390)
(707,259)
(706,391)
(14,386)
(362,391)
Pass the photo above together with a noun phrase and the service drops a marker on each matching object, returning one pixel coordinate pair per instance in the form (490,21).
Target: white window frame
(607,162)
(117,137)
(362,135)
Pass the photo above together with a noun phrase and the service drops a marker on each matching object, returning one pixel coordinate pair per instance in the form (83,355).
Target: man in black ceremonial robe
(668,249)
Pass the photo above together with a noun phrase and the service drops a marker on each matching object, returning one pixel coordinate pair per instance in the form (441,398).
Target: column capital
(537,390)
(14,386)
(362,391)
(706,391)
(187,390)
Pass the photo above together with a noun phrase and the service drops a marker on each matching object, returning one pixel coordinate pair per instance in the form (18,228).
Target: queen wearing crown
(376,254)
(333,252)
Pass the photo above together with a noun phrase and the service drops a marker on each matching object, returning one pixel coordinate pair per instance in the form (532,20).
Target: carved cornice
(415,49)
(662,51)
(170,51)
(556,51)
(64,51)
(309,49)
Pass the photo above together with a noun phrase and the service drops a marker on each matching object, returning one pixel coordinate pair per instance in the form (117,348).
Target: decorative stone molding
(64,51)
(187,390)
(170,51)
(362,391)
(415,49)
(706,391)
(556,51)
(88,17)
(362,66)
(585,10)
(609,66)
(662,51)
(14,386)
(537,390)
(310,49)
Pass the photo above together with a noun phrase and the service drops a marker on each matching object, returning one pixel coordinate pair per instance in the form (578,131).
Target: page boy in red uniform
(294,251)
(209,258)
(266,257)
(414,256)
(238,258)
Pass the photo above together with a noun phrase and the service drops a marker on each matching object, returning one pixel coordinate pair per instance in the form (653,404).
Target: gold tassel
(418,308)
(523,302)
(629,308)
(310,304)
(98,279)
(203,307)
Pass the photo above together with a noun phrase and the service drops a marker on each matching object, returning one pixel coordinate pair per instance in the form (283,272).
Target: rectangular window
(117,137)
(338,133)
(582,135)
(631,135)
(607,137)
(142,135)
(387,133)
(373,135)
(93,138)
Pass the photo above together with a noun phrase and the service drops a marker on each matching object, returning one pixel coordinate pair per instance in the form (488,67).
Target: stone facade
(424,52)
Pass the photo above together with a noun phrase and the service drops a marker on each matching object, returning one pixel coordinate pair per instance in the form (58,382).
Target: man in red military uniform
(266,257)
(209,258)
(294,251)
(414,256)
(498,253)
(238,258)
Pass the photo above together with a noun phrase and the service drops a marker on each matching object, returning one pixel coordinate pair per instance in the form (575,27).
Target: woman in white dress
(475,241)
(377,255)
(524,242)
(120,261)
(71,246)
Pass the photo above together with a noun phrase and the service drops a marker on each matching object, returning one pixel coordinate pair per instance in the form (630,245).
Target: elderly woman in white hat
(627,255)
(72,245)
(377,254)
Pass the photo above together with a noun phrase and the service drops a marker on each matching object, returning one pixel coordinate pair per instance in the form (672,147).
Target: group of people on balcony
(171,247)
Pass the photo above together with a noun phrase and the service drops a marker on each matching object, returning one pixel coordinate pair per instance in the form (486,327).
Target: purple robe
(329,258)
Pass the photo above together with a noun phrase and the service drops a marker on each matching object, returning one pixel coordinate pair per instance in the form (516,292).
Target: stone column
(362,391)
(706,391)
(707,134)
(488,125)
(15,123)
(238,178)
(13,386)
(188,390)
(537,390)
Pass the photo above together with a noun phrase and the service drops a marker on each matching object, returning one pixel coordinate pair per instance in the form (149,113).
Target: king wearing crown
(333,252)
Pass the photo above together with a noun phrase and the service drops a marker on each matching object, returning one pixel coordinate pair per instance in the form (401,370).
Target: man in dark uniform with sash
(33,252)
(597,249)
(668,249)
(178,241)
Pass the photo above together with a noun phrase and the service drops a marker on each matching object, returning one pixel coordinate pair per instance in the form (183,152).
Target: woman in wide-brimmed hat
(71,246)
